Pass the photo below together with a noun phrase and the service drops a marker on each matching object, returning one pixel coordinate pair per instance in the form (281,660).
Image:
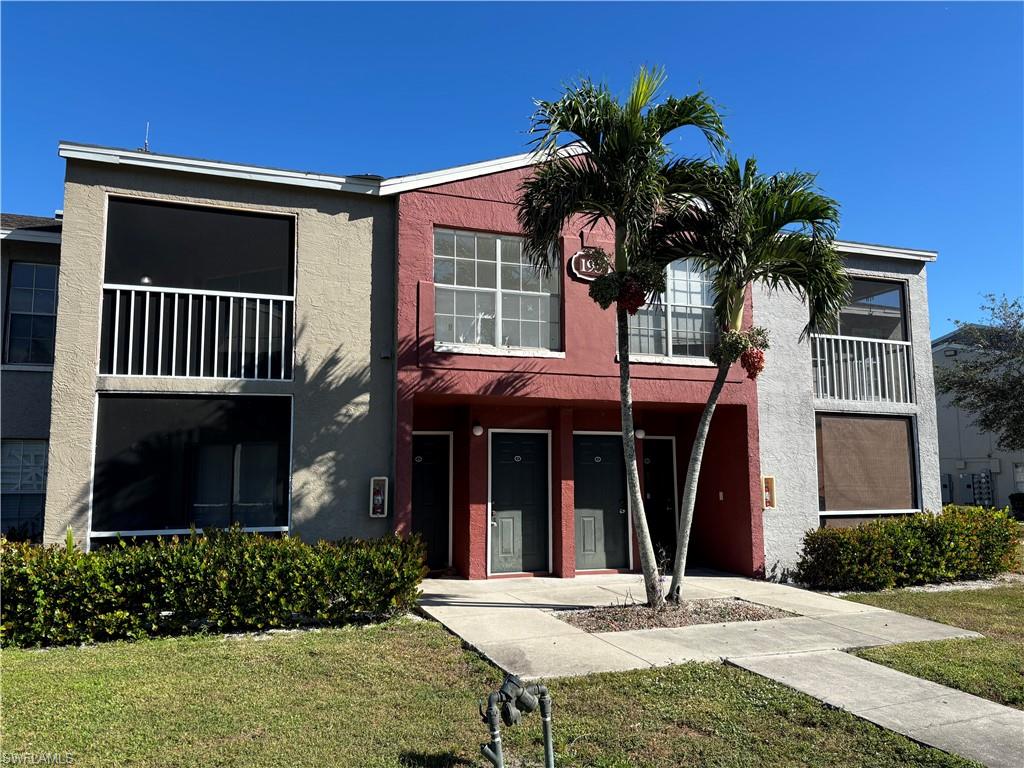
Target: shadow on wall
(442,381)
(335,396)
(126,485)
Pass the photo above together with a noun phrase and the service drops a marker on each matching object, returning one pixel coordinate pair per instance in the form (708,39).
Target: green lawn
(992,667)
(403,694)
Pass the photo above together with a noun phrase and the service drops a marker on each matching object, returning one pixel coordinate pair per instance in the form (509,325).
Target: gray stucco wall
(787,407)
(24,390)
(343,389)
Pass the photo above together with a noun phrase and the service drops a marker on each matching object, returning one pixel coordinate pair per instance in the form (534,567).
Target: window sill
(697,362)
(26,367)
(474,349)
(866,512)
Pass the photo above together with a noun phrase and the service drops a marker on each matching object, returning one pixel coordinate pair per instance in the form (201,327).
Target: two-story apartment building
(238,344)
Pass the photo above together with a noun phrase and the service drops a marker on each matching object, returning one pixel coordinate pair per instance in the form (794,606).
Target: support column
(402,520)
(477,469)
(563,505)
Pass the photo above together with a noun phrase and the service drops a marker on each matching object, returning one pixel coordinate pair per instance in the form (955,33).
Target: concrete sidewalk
(927,712)
(510,622)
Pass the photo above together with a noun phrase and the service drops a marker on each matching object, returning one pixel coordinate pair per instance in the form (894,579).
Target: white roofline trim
(29,236)
(73,151)
(398,184)
(386,187)
(885,251)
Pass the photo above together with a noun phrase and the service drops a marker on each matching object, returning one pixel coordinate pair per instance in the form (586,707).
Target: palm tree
(743,228)
(625,177)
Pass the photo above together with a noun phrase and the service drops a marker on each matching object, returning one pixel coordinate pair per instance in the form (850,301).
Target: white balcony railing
(170,332)
(853,368)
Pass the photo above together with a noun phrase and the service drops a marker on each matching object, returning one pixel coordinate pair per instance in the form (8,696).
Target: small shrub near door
(219,582)
(960,543)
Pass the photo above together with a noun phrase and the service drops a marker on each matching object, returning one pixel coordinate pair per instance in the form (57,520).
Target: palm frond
(696,110)
(558,190)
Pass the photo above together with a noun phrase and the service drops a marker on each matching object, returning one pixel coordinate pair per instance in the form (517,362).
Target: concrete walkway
(932,714)
(510,622)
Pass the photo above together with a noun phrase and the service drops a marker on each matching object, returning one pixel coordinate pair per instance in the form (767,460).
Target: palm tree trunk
(690,488)
(648,561)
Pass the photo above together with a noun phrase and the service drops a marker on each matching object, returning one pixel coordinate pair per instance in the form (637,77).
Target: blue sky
(912,114)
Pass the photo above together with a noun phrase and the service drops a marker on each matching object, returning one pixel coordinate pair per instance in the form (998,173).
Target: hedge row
(960,543)
(219,582)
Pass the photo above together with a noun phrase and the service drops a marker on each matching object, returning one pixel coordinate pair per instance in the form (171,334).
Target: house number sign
(584,266)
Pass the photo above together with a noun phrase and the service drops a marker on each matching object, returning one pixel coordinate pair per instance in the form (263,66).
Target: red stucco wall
(578,391)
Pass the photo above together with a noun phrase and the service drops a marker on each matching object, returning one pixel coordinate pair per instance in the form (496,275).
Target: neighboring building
(974,469)
(243,344)
(30,251)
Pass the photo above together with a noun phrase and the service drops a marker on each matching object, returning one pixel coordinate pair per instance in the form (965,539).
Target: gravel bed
(618,618)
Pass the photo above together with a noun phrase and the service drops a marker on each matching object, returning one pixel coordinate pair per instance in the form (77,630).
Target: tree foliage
(987,379)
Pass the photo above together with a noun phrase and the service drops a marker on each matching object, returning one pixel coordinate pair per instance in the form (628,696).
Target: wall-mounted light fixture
(640,434)
(477,429)
(145,280)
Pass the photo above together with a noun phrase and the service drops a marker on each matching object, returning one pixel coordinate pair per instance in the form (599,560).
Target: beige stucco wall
(343,390)
(24,390)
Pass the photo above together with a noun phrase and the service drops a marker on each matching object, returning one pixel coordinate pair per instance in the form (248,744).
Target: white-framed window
(487,293)
(31,321)
(22,487)
(1018,477)
(680,322)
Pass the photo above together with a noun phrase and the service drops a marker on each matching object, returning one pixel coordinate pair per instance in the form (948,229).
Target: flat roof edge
(885,251)
(73,151)
(29,236)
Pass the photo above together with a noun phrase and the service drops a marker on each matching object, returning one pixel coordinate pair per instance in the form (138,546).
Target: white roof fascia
(216,168)
(398,184)
(885,251)
(30,236)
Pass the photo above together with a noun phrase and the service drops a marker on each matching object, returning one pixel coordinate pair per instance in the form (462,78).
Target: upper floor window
(680,322)
(196,247)
(875,311)
(488,293)
(31,313)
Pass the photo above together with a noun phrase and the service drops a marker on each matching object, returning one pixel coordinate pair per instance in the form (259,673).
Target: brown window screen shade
(864,463)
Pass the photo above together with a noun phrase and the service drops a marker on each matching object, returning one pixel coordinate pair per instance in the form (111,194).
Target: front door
(430,495)
(660,498)
(602,534)
(519,502)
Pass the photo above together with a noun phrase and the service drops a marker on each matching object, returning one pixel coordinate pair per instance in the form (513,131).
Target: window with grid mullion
(486,293)
(680,322)
(31,313)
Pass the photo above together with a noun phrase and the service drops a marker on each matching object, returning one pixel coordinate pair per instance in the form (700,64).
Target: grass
(992,667)
(403,694)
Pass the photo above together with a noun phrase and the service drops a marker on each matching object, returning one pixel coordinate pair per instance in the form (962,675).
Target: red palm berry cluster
(632,296)
(752,361)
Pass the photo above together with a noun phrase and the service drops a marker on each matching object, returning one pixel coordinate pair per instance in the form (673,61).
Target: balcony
(172,332)
(862,369)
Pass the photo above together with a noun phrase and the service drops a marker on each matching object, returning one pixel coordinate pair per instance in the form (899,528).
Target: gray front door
(602,535)
(519,502)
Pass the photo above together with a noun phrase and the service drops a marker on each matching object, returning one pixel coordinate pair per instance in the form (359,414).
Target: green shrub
(222,581)
(960,543)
